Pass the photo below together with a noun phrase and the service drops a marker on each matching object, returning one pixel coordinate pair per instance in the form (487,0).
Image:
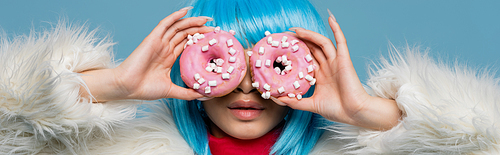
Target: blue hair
(250,19)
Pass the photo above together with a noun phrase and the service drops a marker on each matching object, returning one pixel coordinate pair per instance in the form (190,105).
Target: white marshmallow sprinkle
(267,87)
(258,63)
(275,43)
(196,86)
(212,42)
(284,59)
(310,68)
(295,48)
(225,76)
(296,84)
(278,59)
(232,32)
(291,95)
(301,75)
(249,53)
(204,48)
(309,77)
(313,81)
(261,50)
(288,63)
(269,40)
(277,70)
(281,89)
(232,59)
(197,76)
(207,90)
(268,63)
(230,69)
(294,42)
(299,96)
(284,38)
(190,42)
(218,70)
(267,33)
(229,42)
(219,62)
(308,58)
(217,29)
(285,44)
(212,65)
(212,83)
(209,69)
(232,51)
(201,36)
(255,84)
(201,80)
(288,68)
(266,95)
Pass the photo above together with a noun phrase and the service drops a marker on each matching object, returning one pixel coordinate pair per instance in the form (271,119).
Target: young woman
(62,94)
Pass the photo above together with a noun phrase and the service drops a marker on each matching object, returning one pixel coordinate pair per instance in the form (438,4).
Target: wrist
(378,113)
(103,85)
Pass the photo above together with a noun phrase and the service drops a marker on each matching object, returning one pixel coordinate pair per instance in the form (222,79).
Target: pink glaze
(268,75)
(193,60)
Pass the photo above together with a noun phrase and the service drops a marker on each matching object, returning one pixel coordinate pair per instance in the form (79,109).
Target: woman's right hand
(145,74)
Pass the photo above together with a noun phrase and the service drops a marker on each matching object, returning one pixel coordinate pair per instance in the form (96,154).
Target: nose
(246,84)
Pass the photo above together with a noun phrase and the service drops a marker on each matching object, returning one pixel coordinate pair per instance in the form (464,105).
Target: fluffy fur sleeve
(40,104)
(447,110)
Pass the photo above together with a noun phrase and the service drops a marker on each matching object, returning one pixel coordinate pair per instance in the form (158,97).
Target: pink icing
(193,60)
(265,74)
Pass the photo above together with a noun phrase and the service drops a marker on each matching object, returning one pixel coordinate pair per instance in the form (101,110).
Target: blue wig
(250,19)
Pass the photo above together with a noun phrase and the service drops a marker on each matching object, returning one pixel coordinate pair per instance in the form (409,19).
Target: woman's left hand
(339,95)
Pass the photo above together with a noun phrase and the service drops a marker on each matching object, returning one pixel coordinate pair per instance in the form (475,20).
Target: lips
(246,109)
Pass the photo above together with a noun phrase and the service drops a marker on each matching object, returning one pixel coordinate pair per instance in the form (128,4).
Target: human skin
(338,96)
(224,123)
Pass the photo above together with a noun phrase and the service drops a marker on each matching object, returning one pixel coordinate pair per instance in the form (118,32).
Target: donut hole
(281,67)
(213,64)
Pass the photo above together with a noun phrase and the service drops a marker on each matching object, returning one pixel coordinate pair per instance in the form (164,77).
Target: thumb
(305,104)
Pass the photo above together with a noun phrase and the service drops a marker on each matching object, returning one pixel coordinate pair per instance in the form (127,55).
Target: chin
(247,131)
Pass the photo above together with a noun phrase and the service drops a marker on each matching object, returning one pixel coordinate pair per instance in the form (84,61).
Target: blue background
(465,31)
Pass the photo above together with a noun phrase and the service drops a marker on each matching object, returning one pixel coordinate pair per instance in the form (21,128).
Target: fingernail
(294,28)
(331,15)
(205,98)
(278,101)
(208,18)
(187,8)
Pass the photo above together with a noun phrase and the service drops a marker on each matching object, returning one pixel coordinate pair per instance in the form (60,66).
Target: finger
(314,49)
(184,24)
(339,37)
(180,36)
(177,51)
(305,104)
(317,53)
(323,42)
(166,22)
(182,93)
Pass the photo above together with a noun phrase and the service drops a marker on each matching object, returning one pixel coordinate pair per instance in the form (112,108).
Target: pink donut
(213,63)
(281,65)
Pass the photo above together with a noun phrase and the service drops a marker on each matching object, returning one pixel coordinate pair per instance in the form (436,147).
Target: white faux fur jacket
(447,110)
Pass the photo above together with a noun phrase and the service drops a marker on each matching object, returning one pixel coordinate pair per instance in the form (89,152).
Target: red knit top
(231,146)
